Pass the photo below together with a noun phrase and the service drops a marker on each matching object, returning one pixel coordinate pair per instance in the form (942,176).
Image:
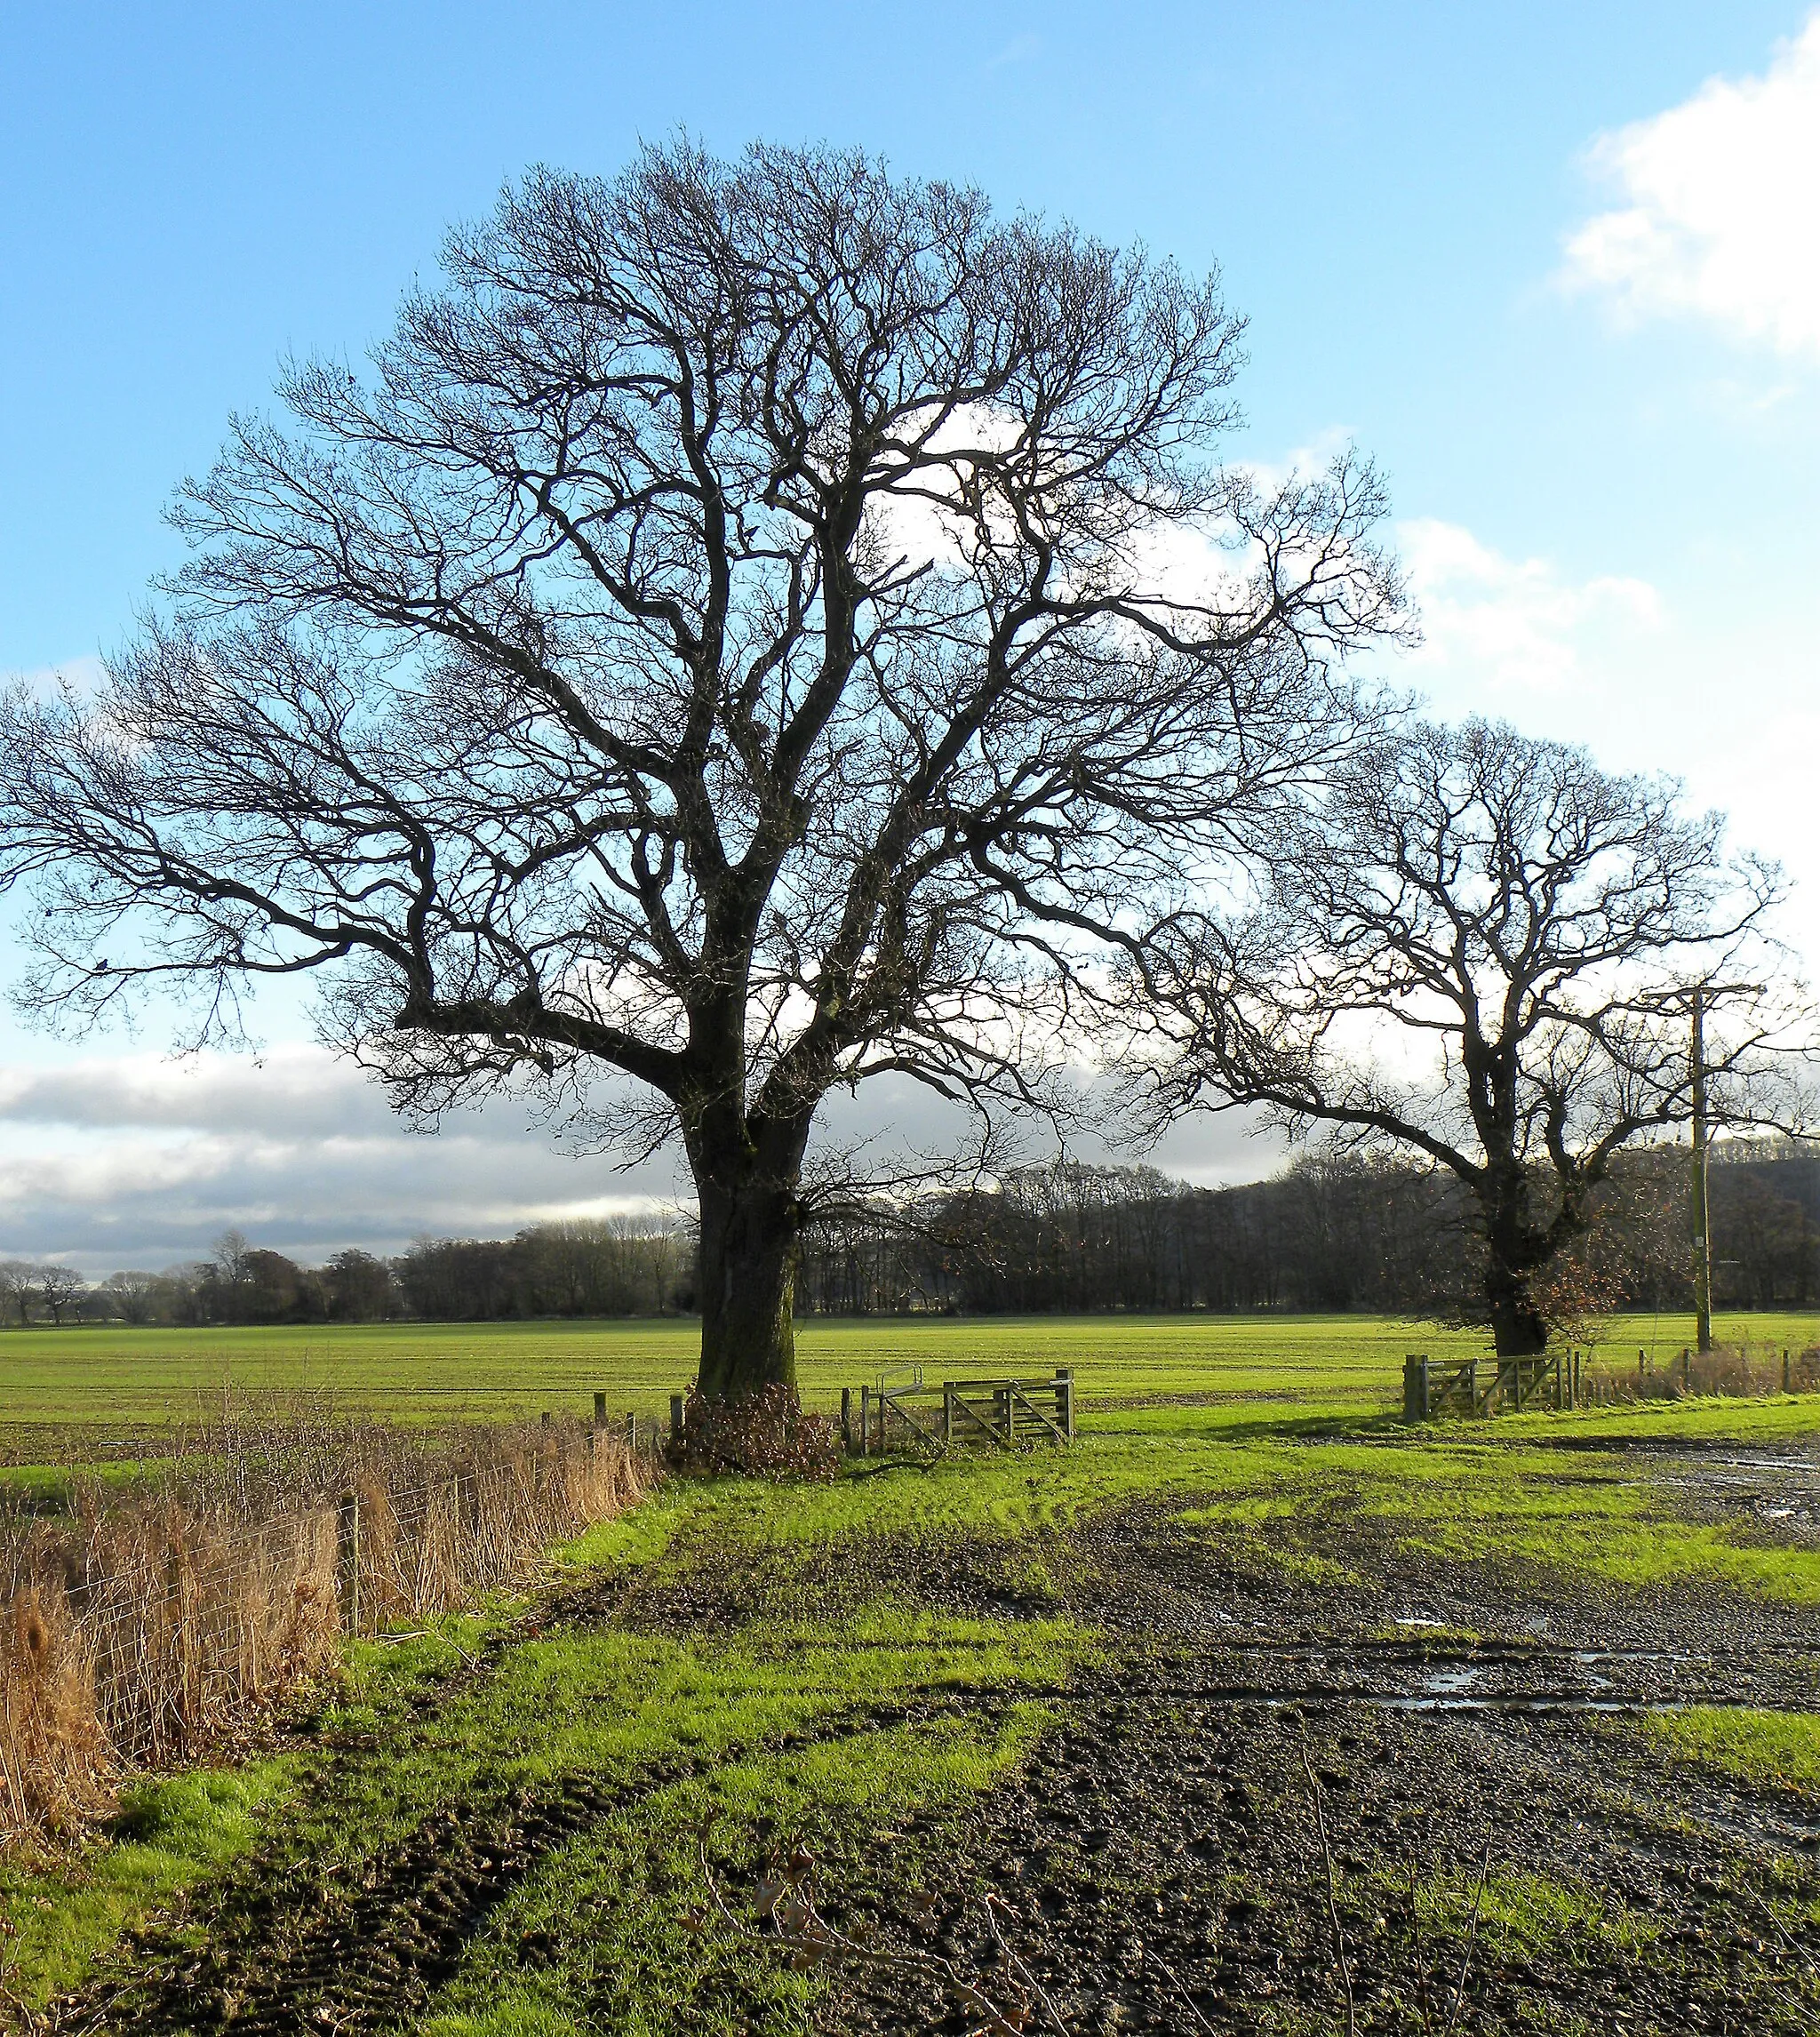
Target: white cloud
(1721,218)
(129,1159)
(1509,624)
(1647,682)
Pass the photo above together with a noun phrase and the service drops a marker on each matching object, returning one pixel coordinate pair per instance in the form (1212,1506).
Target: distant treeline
(1326,1236)
(614,1266)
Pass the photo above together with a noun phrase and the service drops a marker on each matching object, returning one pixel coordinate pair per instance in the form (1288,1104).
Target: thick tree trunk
(1518,1327)
(751,1241)
(1514,1252)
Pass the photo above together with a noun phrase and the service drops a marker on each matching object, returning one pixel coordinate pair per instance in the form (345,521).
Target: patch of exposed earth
(1159,1845)
(1160,1848)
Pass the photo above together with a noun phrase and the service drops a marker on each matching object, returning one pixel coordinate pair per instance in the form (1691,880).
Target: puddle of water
(1532,1703)
(1445,1682)
(1677,1658)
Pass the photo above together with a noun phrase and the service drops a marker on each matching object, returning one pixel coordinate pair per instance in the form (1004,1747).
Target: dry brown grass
(1739,1371)
(143,1623)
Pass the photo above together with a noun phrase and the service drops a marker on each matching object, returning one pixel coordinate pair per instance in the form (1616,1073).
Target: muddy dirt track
(1158,1859)
(1165,1840)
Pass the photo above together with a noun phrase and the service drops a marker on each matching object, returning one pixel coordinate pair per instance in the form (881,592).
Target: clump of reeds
(53,1754)
(149,1619)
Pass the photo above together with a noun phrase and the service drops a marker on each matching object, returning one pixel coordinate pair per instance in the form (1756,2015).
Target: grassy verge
(170,1833)
(413,1727)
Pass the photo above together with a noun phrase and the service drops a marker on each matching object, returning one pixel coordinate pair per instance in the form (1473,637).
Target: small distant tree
(1480,946)
(224,1280)
(277,1289)
(359,1286)
(132,1296)
(19,1286)
(764,626)
(186,1293)
(61,1288)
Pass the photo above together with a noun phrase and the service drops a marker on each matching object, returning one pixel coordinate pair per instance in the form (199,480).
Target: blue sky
(1558,268)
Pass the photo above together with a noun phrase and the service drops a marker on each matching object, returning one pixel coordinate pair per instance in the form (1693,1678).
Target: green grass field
(1312,1366)
(761,1723)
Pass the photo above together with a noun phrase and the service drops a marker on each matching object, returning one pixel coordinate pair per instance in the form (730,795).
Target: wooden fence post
(600,1410)
(347,1556)
(865,1421)
(847,1419)
(1065,1400)
(947,1413)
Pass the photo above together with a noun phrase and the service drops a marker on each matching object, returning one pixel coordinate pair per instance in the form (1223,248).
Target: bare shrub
(767,1435)
(144,1623)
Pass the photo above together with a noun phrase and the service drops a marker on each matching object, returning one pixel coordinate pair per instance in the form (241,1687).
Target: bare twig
(1471,1940)
(1333,1908)
(1176,1981)
(804,1930)
(1012,1960)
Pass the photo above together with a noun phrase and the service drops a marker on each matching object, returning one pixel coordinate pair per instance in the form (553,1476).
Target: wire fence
(144,1623)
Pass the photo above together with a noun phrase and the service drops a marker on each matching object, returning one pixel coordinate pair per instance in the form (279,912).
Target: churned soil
(1162,1856)
(1159,1861)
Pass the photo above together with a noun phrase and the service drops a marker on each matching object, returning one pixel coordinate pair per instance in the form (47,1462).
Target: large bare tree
(1482,948)
(758,625)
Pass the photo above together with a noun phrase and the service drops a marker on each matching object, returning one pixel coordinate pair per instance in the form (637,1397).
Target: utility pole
(1702,1254)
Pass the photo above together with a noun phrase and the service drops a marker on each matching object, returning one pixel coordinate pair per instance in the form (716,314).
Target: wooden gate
(1007,1414)
(1457,1386)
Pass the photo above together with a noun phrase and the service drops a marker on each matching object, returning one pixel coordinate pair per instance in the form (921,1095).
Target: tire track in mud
(281,1947)
(364,1949)
(1156,1840)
